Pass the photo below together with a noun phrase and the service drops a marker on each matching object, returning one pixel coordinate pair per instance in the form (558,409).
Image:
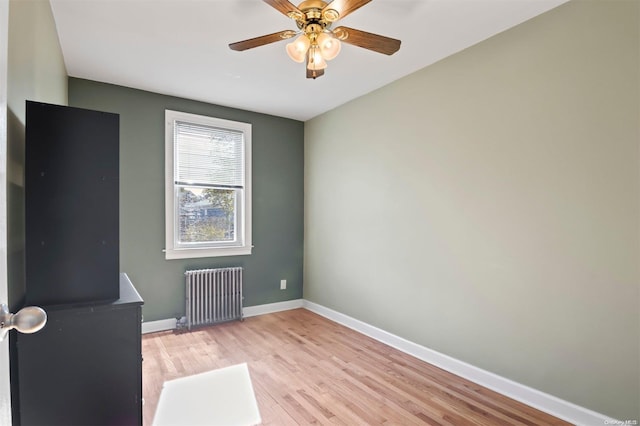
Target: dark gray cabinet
(71,204)
(85,366)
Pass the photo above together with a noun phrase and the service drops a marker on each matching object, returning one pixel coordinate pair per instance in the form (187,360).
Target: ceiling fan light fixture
(315,60)
(329,46)
(297,50)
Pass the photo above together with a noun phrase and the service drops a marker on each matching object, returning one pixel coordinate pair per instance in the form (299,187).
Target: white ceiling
(180,47)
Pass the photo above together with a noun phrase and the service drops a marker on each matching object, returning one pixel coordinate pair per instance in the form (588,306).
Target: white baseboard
(269,308)
(161,325)
(249,311)
(544,402)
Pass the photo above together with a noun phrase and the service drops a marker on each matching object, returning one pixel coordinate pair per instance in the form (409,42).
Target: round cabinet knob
(27,320)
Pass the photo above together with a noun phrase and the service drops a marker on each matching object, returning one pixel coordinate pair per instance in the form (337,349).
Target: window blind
(208,156)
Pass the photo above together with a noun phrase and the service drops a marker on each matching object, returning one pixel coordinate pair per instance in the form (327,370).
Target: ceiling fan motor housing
(314,18)
(312,4)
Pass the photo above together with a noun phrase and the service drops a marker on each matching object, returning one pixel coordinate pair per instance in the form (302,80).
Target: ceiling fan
(319,43)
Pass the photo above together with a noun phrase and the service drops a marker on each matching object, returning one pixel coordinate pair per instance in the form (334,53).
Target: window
(208,186)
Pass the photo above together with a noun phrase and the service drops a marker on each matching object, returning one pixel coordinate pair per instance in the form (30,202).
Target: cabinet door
(83,368)
(71,205)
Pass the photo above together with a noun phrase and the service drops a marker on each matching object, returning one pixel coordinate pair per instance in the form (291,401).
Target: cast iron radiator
(213,296)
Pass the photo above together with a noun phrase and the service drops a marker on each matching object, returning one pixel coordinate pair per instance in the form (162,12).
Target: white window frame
(243,206)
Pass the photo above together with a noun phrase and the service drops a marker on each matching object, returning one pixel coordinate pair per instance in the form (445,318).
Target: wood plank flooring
(306,369)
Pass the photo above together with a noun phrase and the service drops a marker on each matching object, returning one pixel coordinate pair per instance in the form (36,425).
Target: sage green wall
(278,158)
(36,72)
(488,206)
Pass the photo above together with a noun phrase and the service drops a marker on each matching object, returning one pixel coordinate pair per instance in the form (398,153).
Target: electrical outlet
(283,284)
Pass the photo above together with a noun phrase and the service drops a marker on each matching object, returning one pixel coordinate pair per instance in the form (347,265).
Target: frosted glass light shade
(329,46)
(316,61)
(297,50)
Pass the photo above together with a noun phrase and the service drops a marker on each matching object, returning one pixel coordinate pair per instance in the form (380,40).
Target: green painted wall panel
(277,178)
(488,206)
(36,72)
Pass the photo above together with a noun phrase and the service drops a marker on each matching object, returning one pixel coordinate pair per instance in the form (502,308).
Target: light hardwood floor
(306,369)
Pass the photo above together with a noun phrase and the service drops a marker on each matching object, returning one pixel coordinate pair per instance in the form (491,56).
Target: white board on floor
(218,397)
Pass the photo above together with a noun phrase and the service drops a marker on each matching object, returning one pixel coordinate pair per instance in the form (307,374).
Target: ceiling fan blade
(375,42)
(314,74)
(262,40)
(344,7)
(286,8)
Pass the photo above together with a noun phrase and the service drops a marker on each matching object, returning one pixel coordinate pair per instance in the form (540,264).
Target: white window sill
(190,253)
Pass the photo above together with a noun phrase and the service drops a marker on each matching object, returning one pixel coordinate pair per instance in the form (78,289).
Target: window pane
(209,156)
(206,215)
